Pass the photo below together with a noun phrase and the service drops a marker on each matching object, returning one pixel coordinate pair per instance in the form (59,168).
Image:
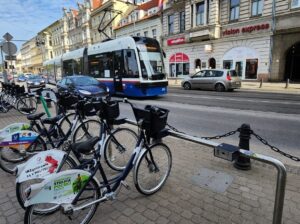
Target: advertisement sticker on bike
(13,128)
(21,138)
(59,188)
(40,165)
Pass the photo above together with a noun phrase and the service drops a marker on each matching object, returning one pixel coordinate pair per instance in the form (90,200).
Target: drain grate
(214,180)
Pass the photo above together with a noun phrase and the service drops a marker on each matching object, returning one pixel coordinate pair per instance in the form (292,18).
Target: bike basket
(89,109)
(154,119)
(67,101)
(110,110)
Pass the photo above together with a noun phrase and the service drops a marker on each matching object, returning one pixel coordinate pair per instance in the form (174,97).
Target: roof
(74,12)
(97,3)
(148,5)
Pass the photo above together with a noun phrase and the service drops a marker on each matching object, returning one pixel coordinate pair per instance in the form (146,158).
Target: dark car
(84,85)
(22,78)
(35,81)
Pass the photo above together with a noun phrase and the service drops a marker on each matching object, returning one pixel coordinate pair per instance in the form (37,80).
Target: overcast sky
(23,19)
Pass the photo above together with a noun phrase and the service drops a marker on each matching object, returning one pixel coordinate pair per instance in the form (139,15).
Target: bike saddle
(119,121)
(52,120)
(33,117)
(85,147)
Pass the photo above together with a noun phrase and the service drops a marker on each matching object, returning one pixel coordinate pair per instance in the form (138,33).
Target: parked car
(34,81)
(213,79)
(84,85)
(22,78)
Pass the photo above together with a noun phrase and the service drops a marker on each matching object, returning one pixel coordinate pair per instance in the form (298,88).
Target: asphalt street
(276,117)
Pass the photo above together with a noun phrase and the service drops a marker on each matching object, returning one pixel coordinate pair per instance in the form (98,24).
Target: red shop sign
(179,40)
(179,57)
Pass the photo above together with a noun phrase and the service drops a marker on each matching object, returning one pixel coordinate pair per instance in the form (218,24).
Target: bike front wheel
(86,130)
(118,148)
(82,216)
(152,169)
(26,103)
(21,187)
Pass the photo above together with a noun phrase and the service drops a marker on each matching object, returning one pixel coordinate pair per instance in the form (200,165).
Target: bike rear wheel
(118,148)
(10,157)
(83,216)
(152,169)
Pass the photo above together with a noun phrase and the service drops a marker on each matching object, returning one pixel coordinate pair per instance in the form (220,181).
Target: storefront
(179,65)
(244,48)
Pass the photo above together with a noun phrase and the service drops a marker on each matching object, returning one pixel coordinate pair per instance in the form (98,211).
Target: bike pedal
(125,185)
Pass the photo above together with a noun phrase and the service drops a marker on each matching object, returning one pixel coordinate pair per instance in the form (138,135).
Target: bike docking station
(241,156)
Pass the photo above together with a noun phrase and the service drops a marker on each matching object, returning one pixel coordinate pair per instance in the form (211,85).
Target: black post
(243,163)
(48,100)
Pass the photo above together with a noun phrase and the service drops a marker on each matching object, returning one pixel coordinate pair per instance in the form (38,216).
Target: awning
(179,57)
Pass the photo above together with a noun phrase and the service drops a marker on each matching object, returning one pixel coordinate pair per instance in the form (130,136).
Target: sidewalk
(201,189)
(272,87)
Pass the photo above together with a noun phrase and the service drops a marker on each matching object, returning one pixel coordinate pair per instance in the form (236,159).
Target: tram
(130,66)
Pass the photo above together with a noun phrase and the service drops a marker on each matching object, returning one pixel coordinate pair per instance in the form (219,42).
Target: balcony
(175,4)
(205,32)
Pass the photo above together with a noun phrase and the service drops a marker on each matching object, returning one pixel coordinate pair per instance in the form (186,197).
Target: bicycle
(77,191)
(11,157)
(14,96)
(123,138)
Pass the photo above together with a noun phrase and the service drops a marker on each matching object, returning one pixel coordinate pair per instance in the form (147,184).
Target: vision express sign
(246,29)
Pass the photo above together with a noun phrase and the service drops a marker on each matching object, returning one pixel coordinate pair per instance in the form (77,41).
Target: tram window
(131,67)
(101,65)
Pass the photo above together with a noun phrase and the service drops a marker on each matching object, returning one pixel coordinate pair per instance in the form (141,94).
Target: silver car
(213,79)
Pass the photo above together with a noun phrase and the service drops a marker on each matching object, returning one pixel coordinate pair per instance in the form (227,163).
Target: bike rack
(231,152)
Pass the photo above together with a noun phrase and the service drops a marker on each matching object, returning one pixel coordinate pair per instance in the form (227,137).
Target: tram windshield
(152,66)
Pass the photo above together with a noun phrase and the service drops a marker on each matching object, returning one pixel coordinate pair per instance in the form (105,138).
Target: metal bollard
(48,100)
(261,83)
(243,163)
(287,83)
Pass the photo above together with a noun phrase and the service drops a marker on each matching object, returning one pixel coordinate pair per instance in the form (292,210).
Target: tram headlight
(107,89)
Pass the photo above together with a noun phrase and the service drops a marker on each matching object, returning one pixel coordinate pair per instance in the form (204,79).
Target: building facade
(235,34)
(143,20)
(105,17)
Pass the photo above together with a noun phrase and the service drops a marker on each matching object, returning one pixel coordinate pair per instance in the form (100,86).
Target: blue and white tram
(132,66)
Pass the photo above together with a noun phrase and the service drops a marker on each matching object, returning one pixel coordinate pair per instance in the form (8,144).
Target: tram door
(118,70)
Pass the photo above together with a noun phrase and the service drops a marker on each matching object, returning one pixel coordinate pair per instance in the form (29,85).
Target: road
(276,117)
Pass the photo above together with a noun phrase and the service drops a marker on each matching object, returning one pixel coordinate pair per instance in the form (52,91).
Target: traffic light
(5,64)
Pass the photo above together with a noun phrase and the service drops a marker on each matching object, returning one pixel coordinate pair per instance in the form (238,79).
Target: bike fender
(58,188)
(40,165)
(19,140)
(13,128)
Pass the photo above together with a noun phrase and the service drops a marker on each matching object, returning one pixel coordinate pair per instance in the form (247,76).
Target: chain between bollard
(275,149)
(207,138)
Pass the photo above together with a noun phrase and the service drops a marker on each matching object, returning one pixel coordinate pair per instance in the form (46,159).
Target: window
(295,3)
(257,6)
(200,13)
(138,34)
(146,34)
(131,67)
(171,24)
(181,22)
(234,9)
(227,64)
(154,33)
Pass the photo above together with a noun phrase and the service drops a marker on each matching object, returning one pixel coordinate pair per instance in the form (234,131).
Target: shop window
(295,3)
(197,64)
(200,13)
(227,64)
(179,69)
(257,7)
(182,22)
(146,34)
(234,9)
(212,63)
(251,69)
(171,24)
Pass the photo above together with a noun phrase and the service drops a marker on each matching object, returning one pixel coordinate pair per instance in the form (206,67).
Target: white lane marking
(233,99)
